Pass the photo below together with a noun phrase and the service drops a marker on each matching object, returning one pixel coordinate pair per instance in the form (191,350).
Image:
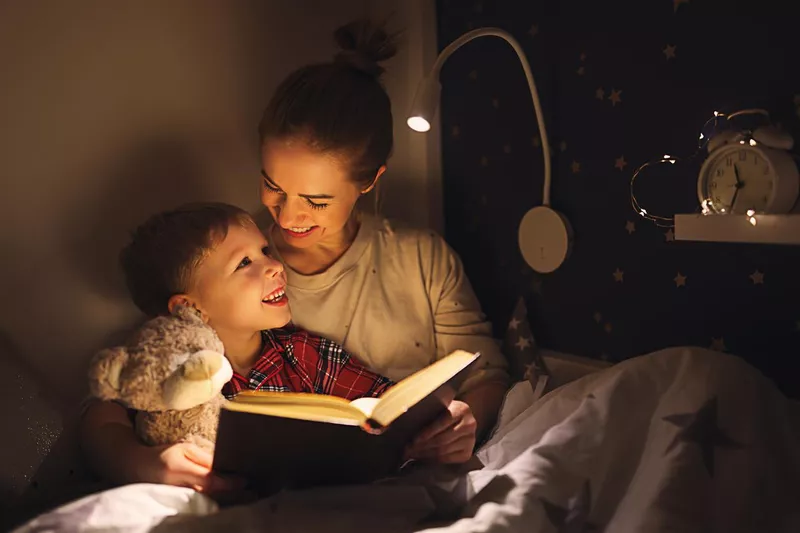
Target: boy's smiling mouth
(276,297)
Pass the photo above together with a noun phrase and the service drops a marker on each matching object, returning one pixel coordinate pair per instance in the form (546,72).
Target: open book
(284,440)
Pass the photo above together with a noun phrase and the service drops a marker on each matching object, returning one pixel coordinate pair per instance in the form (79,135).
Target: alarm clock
(749,172)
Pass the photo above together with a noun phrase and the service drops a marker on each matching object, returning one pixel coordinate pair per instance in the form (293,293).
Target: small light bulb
(672,161)
(750,212)
(716,113)
(753,142)
(701,136)
(722,210)
(643,212)
(666,156)
(753,220)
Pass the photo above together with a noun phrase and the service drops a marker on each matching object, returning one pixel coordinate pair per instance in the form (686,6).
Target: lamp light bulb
(418,124)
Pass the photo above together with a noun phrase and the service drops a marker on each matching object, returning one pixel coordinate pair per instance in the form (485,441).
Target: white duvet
(679,440)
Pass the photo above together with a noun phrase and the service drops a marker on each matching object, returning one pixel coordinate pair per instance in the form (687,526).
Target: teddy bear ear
(190,314)
(104,372)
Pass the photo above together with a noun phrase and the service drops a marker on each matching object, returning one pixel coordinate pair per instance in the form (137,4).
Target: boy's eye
(244,262)
(265,251)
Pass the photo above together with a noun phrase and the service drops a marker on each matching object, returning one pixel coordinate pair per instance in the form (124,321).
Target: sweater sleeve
(459,322)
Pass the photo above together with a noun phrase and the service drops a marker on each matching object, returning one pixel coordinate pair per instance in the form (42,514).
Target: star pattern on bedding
(701,428)
(574,518)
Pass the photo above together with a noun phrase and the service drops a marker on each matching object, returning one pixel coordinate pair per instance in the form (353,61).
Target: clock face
(738,179)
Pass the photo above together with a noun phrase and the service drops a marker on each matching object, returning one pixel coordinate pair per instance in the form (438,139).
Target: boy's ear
(183,300)
(378,174)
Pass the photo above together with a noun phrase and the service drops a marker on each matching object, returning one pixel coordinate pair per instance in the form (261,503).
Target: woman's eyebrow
(308,196)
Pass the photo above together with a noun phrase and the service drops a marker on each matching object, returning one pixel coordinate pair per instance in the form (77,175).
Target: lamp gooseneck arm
(497,32)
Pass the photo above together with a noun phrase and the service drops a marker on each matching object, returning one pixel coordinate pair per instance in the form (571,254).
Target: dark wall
(581,53)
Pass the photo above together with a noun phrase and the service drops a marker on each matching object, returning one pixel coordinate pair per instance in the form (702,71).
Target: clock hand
(739,185)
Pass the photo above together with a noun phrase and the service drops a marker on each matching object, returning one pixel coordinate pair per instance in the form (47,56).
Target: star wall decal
(677,3)
(576,167)
(757,277)
(618,275)
(669,51)
(484,161)
(581,70)
(680,280)
(507,149)
(607,327)
(598,316)
(533,31)
(620,163)
(718,344)
(701,428)
(669,235)
(514,323)
(630,227)
(615,97)
(600,94)
(574,518)
(583,56)
(495,103)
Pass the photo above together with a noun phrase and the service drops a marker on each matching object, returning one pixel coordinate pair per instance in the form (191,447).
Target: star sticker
(598,317)
(563,146)
(618,275)
(757,277)
(581,70)
(600,94)
(534,30)
(514,323)
(523,343)
(575,517)
(495,103)
(507,149)
(484,161)
(615,97)
(583,56)
(576,167)
(677,3)
(702,429)
(620,163)
(718,344)
(680,280)
(669,51)
(630,227)
(669,235)
(536,141)
(473,75)
(607,327)
(456,131)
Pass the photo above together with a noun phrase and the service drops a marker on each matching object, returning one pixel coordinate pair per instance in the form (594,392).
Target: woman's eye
(244,262)
(314,205)
(270,188)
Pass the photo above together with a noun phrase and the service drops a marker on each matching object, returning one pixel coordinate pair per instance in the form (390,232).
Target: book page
(366,405)
(304,406)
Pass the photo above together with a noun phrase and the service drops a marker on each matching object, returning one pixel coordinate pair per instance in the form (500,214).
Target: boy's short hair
(165,251)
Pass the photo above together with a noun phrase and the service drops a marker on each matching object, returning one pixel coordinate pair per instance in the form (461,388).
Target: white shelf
(768,229)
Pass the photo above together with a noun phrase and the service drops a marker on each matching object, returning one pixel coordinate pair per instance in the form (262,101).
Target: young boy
(213,258)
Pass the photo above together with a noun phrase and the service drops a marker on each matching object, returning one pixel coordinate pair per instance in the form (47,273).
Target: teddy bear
(171,372)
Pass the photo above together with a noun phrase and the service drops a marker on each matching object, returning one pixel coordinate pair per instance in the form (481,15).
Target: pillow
(524,360)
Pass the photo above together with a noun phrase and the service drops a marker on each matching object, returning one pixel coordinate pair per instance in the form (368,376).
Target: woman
(396,298)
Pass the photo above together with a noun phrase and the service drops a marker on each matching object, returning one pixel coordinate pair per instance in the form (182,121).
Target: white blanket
(679,440)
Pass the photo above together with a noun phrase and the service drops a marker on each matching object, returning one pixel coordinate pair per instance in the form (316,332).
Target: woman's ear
(378,174)
(186,301)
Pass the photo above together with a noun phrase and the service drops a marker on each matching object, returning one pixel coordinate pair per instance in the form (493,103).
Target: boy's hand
(184,464)
(450,439)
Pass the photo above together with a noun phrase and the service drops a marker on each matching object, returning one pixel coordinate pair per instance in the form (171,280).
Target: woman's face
(308,194)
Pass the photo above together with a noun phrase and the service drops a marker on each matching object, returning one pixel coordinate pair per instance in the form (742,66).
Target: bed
(684,439)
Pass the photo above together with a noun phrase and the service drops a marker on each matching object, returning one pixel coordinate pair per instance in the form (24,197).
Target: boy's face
(239,287)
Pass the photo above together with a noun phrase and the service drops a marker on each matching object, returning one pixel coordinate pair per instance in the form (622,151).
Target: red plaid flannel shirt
(294,360)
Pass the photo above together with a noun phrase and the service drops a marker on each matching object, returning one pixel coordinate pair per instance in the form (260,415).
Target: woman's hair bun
(364,46)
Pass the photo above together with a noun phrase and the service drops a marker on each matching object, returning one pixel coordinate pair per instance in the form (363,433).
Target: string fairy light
(703,139)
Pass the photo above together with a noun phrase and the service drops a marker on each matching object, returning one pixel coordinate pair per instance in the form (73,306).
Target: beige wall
(113,110)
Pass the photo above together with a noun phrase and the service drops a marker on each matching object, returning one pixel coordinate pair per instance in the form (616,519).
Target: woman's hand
(450,439)
(184,464)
